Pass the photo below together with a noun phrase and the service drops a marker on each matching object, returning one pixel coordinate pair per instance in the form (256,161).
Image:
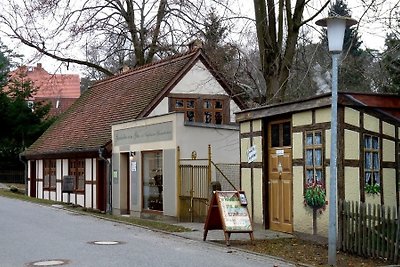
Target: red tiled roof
(86,126)
(50,85)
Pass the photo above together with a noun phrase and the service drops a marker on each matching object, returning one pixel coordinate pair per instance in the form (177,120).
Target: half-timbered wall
(303,123)
(85,198)
(251,173)
(357,124)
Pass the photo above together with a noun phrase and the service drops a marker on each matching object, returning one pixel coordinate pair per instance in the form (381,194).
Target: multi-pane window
(49,172)
(281,134)
(201,108)
(313,158)
(77,170)
(371,161)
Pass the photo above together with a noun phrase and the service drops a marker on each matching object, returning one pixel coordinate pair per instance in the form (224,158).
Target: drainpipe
(24,161)
(102,151)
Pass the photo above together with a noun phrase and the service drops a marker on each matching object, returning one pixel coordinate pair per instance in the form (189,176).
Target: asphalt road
(35,235)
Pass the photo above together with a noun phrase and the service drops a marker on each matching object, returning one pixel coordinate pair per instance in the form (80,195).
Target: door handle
(280,169)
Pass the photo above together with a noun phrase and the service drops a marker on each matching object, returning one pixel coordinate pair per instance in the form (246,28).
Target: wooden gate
(194,178)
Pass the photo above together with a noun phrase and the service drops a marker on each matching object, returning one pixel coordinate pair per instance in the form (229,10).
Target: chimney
(39,66)
(195,44)
(124,68)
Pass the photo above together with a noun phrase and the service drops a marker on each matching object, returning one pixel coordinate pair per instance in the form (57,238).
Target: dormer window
(210,109)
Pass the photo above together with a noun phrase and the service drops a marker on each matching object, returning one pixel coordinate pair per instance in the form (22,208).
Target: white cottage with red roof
(118,143)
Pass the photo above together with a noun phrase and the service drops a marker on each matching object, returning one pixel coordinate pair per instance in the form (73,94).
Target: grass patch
(10,193)
(151,224)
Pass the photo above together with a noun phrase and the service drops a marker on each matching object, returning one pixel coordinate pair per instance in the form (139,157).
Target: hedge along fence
(12,176)
(369,230)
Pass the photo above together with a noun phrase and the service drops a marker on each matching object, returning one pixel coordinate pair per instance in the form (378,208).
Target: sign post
(228,212)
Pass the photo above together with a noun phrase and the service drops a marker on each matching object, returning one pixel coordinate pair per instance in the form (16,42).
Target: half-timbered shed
(285,150)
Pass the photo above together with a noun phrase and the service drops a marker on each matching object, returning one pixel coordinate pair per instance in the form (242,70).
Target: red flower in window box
(315,196)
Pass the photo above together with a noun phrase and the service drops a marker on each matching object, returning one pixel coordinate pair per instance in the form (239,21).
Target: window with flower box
(77,170)
(49,174)
(211,109)
(372,177)
(314,158)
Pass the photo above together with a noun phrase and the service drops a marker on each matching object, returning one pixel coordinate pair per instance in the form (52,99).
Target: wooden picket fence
(369,230)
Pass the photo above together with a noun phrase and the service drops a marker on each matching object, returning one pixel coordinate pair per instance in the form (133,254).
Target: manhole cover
(48,263)
(107,243)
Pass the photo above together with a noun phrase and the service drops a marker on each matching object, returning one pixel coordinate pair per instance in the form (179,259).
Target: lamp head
(336,25)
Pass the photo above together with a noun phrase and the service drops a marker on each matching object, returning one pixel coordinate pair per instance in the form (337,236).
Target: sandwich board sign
(228,212)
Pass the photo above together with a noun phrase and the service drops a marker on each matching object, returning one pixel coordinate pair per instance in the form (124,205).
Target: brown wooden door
(280,183)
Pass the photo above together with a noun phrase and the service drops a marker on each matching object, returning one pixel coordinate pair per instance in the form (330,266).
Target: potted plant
(373,189)
(315,196)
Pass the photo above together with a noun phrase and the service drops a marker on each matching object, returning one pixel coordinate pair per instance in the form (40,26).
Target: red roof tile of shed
(86,126)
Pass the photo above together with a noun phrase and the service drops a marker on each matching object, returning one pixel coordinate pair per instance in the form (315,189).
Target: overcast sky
(372,34)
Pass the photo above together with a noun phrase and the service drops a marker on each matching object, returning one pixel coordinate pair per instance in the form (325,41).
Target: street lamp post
(336,27)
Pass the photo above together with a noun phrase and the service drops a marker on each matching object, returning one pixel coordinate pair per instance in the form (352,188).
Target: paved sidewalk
(218,235)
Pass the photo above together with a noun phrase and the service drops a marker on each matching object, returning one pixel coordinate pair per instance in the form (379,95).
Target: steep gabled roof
(86,126)
(49,85)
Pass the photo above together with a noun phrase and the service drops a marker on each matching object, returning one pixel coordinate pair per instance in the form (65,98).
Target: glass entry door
(152,181)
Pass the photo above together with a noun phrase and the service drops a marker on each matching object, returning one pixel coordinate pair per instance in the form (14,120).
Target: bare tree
(130,32)
(278,25)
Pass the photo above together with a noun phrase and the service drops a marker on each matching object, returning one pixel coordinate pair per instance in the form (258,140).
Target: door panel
(280,184)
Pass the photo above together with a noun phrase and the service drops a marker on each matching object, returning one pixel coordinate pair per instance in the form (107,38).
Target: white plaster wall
(245,145)
(245,127)
(80,200)
(352,116)
(58,177)
(323,115)
(257,195)
(88,196)
(46,195)
(246,187)
(94,170)
(39,170)
(224,144)
(351,145)
(302,118)
(389,153)
(297,146)
(389,129)
(198,80)
(257,125)
(328,144)
(389,187)
(53,195)
(371,123)
(373,199)
(94,196)
(352,184)
(302,216)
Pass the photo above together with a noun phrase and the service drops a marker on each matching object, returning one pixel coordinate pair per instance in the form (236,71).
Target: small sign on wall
(133,166)
(280,152)
(251,154)
(115,177)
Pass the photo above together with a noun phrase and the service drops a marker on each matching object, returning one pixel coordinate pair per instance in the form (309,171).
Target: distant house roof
(50,85)
(386,104)
(86,126)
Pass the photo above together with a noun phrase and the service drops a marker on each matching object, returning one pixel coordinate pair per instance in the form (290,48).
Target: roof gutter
(25,162)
